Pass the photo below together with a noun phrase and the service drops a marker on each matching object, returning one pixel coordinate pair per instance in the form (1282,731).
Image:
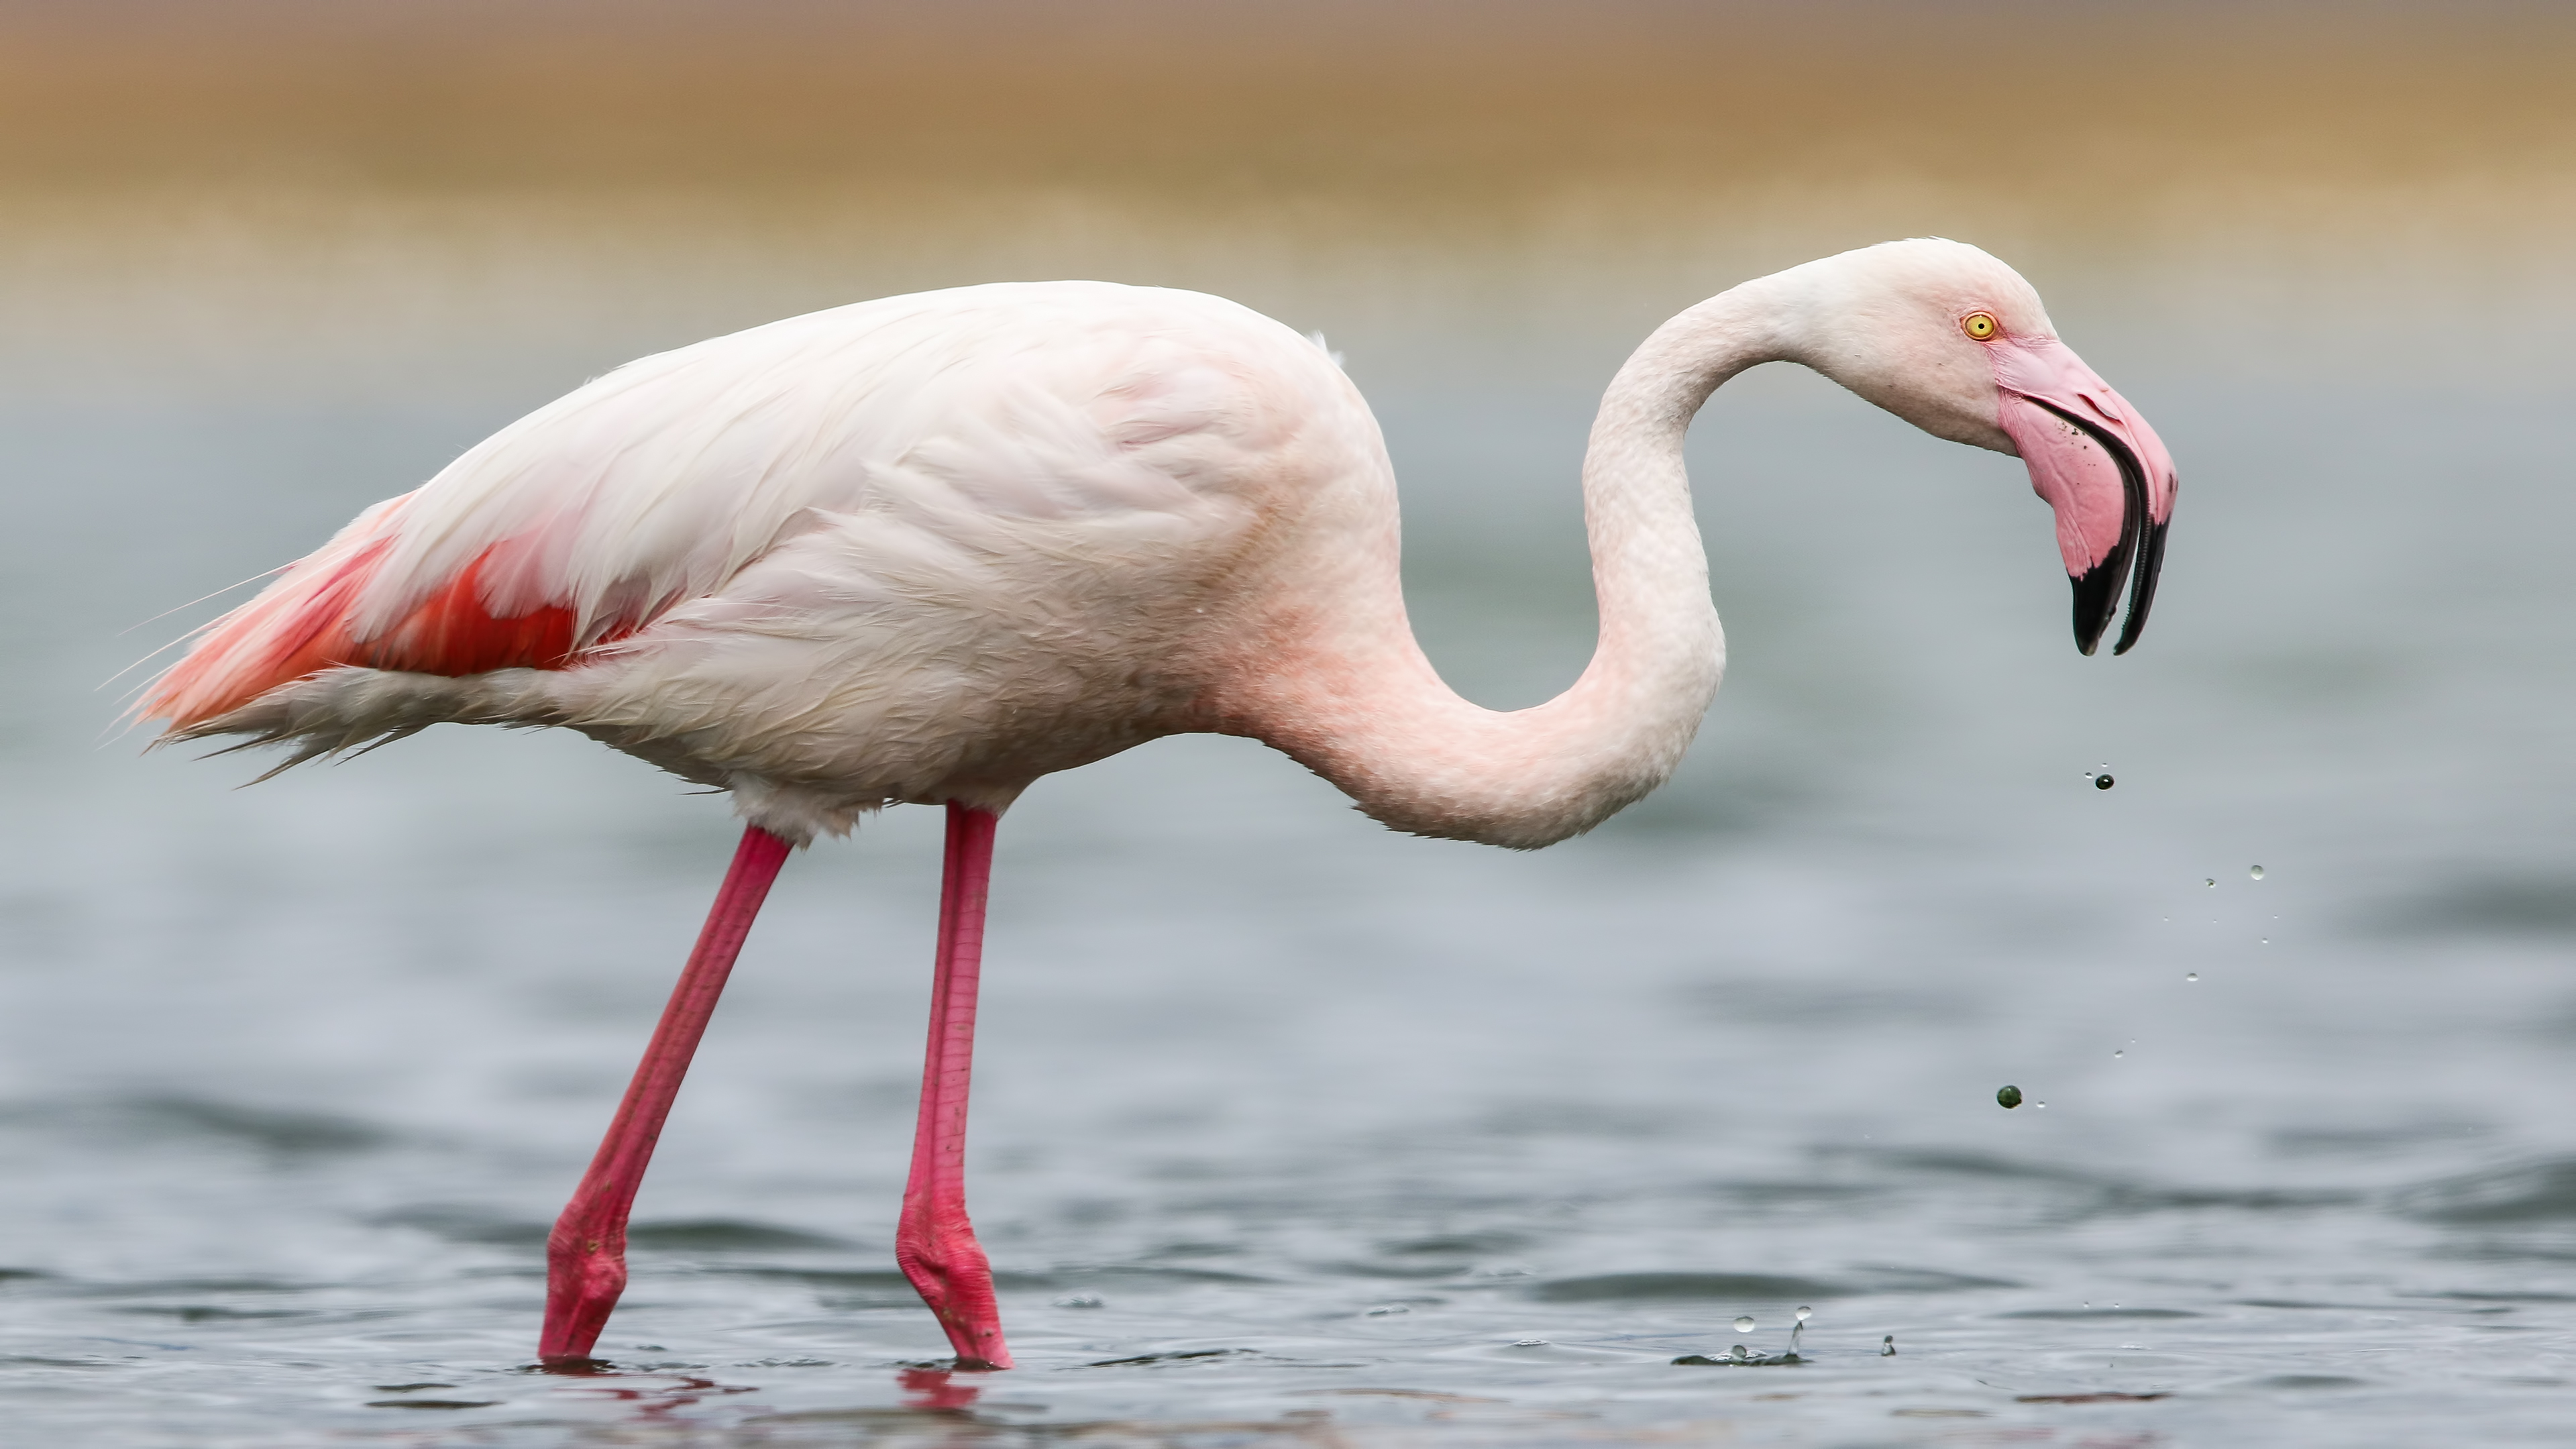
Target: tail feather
(293,628)
(342,711)
(301,625)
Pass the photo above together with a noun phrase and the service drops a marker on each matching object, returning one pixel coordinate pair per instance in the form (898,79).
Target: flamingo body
(920,549)
(930,548)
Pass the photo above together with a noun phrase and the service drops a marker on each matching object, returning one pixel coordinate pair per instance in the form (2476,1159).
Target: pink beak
(2101,467)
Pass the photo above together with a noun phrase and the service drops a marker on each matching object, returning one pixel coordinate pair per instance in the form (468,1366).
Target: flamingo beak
(2102,469)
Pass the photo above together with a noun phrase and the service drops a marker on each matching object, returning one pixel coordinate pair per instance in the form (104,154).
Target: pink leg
(935,1244)
(586,1254)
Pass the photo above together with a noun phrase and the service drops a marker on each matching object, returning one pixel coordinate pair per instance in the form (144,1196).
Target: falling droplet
(2118,1052)
(2256,872)
(1805,1313)
(2039,1106)
(2211,882)
(2101,782)
(1744,1324)
(2266,940)
(1887,1346)
(2191,976)
(2009,1097)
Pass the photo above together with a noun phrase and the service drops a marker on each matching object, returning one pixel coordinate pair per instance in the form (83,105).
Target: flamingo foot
(585,1275)
(949,1271)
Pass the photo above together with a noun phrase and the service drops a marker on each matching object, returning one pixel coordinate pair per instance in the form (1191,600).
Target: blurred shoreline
(323,187)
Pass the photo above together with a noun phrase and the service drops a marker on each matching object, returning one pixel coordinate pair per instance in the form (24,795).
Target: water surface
(1288,1129)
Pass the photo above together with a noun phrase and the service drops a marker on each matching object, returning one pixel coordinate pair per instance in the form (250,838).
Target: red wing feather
(452,632)
(300,627)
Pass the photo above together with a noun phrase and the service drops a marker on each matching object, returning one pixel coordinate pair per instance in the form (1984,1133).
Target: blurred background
(1288,1127)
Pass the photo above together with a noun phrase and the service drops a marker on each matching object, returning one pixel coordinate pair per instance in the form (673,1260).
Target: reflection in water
(936,1389)
(292,1078)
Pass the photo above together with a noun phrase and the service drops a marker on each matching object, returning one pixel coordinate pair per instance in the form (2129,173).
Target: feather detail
(294,628)
(305,624)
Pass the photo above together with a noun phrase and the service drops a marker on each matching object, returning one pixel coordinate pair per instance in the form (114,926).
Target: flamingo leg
(586,1253)
(935,1244)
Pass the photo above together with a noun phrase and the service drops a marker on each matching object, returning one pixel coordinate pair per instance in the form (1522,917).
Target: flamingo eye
(1980,325)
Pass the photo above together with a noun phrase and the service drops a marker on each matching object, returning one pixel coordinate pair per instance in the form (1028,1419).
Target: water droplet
(2191,976)
(2118,1052)
(2009,1097)
(1805,1313)
(1744,1324)
(2211,882)
(2039,1106)
(2101,782)
(1887,1346)
(2256,872)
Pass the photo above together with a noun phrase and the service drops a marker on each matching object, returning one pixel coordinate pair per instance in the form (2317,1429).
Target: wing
(585,521)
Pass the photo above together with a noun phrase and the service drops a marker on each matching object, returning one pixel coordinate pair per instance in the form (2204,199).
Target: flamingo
(929,548)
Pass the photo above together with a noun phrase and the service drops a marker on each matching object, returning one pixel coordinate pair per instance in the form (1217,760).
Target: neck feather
(1364,708)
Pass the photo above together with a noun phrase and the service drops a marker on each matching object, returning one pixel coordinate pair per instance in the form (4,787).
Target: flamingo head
(1956,343)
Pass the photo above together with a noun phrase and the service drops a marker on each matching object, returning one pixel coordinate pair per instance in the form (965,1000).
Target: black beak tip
(2142,586)
(2142,542)
(2097,596)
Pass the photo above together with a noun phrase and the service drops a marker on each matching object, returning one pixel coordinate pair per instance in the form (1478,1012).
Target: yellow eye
(1980,325)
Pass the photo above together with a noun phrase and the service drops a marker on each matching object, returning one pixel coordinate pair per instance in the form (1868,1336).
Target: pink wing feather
(573,527)
(592,517)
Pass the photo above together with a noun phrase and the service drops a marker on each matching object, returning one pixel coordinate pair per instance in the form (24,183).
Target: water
(1287,1129)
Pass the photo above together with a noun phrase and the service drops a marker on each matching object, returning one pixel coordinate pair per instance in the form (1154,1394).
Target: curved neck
(1364,708)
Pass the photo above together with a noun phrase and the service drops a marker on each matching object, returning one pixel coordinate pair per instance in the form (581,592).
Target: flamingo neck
(1365,709)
